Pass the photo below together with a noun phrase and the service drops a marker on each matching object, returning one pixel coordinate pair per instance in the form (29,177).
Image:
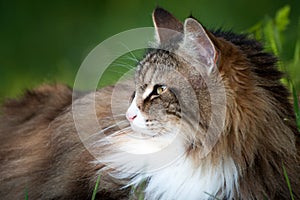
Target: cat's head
(179,89)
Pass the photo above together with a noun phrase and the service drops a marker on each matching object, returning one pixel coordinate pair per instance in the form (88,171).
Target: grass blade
(296,105)
(96,187)
(288,182)
(138,191)
(26,193)
(141,195)
(295,95)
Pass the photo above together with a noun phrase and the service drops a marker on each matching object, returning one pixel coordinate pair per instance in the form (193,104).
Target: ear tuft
(164,21)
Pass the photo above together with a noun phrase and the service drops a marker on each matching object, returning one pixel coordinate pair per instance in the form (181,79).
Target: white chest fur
(180,179)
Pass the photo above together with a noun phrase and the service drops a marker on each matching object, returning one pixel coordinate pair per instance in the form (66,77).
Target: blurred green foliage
(46,41)
(271,31)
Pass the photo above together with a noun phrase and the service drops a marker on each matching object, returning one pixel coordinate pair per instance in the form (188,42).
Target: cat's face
(155,108)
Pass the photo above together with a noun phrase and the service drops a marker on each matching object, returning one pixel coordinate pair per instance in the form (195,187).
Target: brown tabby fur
(40,150)
(261,131)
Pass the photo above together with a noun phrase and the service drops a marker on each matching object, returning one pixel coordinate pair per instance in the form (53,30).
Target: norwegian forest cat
(209,118)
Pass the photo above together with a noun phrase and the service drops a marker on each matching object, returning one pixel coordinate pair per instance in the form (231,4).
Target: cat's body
(41,151)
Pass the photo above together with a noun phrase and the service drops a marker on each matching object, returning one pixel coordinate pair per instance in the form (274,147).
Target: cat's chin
(142,131)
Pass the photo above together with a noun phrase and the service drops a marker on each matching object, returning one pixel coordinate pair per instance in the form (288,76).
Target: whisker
(120,131)
(123,114)
(101,133)
(114,71)
(133,56)
(119,122)
(131,59)
(125,65)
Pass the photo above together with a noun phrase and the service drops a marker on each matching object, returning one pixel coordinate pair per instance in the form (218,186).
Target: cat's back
(46,102)
(24,117)
(41,151)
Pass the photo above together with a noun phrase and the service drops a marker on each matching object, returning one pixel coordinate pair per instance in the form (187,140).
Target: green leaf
(270,30)
(256,30)
(282,18)
(271,36)
(297,53)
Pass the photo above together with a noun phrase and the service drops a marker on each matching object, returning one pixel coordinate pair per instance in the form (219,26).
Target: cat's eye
(156,91)
(159,89)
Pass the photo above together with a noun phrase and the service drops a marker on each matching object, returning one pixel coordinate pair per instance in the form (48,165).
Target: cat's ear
(197,39)
(166,25)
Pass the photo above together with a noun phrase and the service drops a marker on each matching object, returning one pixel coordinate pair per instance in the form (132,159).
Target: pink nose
(130,116)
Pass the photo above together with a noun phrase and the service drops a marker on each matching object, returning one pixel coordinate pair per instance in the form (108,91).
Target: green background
(46,41)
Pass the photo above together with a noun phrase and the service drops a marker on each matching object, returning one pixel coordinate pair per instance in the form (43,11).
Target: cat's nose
(132,111)
(130,116)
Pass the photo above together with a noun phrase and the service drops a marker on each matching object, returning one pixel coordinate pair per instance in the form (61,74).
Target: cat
(209,119)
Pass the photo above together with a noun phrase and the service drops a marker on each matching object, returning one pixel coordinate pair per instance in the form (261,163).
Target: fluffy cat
(209,119)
